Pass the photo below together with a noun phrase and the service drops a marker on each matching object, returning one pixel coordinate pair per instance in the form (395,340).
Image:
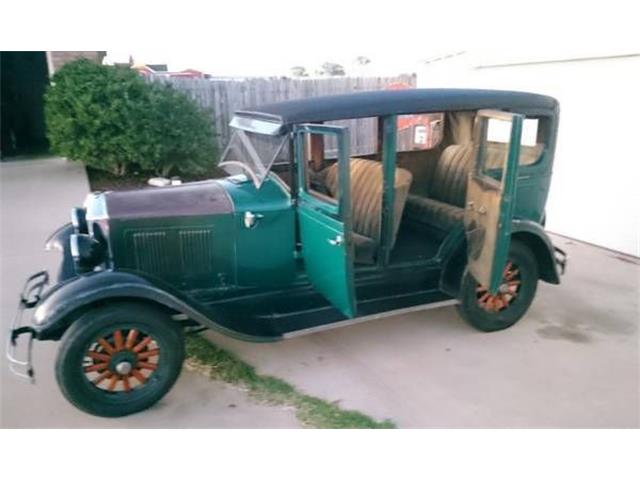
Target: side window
(533,141)
(494,140)
(531,145)
(317,157)
(420,132)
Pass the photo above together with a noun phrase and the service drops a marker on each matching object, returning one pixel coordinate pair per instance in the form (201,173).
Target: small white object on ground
(159,182)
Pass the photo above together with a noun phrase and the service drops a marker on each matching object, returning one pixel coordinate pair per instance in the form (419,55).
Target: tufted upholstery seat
(444,206)
(366,202)
(443,216)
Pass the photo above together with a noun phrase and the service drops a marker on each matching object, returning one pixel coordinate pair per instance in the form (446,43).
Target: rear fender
(454,254)
(533,235)
(65,302)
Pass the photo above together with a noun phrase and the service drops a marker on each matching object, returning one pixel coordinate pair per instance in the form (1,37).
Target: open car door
(490,195)
(325,222)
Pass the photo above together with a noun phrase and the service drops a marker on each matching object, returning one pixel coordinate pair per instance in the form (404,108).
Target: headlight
(86,252)
(79,220)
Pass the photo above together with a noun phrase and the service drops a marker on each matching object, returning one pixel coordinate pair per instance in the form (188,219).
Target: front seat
(366,203)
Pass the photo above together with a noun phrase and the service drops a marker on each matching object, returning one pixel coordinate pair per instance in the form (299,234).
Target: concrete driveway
(573,361)
(35,198)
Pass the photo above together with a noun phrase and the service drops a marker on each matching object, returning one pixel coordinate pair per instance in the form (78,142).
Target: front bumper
(561,258)
(21,365)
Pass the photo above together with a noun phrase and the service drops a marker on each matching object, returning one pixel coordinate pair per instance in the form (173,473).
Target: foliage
(362,60)
(111,119)
(332,69)
(299,71)
(311,411)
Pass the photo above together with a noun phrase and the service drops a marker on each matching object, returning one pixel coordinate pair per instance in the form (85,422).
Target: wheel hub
(124,368)
(125,358)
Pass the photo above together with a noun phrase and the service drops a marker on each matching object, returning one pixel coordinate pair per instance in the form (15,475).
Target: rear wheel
(119,359)
(490,313)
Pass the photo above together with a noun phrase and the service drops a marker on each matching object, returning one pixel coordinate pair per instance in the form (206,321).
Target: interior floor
(415,243)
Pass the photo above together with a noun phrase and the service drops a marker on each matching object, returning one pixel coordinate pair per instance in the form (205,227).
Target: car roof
(399,102)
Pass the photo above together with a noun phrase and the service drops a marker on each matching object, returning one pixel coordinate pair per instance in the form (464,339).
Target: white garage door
(595,191)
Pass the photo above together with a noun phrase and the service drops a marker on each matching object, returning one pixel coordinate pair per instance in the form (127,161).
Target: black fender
(534,236)
(59,241)
(453,253)
(63,304)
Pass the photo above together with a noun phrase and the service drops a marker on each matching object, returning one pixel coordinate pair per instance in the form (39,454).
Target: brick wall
(55,60)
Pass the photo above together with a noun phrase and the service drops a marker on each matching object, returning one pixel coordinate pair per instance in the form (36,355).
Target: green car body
(261,259)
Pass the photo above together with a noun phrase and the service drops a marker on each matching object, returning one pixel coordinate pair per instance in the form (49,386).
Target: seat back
(366,195)
(449,181)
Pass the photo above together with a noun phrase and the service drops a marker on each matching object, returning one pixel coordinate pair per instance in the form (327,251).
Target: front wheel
(490,313)
(119,359)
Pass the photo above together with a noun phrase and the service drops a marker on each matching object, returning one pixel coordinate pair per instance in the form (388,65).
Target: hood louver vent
(196,251)
(152,252)
(175,253)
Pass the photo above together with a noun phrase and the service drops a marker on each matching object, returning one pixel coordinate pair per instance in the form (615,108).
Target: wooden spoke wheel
(119,359)
(488,312)
(507,292)
(122,361)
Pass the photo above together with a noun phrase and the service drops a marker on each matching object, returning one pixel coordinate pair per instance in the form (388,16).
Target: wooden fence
(223,97)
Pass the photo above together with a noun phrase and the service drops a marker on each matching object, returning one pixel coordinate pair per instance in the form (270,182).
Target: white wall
(595,190)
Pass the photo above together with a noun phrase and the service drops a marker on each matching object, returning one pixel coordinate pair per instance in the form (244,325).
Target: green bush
(111,119)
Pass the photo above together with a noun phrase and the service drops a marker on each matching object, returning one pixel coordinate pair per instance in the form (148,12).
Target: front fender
(59,241)
(60,306)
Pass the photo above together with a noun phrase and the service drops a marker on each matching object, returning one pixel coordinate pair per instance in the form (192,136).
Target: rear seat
(443,207)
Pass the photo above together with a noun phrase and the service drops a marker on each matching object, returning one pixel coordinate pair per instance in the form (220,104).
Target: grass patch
(311,411)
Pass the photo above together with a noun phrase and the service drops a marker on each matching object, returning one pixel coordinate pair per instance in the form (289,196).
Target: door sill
(367,318)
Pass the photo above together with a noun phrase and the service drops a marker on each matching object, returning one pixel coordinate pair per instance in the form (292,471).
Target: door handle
(481,209)
(336,242)
(251,219)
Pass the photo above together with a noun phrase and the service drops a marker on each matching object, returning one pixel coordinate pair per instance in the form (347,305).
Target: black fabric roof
(388,102)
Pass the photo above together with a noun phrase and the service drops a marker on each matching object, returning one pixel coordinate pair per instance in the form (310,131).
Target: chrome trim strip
(375,316)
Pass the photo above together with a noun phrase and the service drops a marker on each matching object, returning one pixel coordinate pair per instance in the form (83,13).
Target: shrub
(111,119)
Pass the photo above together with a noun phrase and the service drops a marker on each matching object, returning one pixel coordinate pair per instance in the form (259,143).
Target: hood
(191,199)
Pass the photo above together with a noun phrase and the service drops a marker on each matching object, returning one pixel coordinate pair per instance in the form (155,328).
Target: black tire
(162,356)
(491,320)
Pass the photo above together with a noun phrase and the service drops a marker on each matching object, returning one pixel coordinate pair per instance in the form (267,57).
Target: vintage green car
(448,209)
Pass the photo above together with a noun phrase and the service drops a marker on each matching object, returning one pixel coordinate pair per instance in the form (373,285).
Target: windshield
(253,154)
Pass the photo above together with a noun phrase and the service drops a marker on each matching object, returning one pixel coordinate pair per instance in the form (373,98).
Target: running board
(306,310)
(367,318)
